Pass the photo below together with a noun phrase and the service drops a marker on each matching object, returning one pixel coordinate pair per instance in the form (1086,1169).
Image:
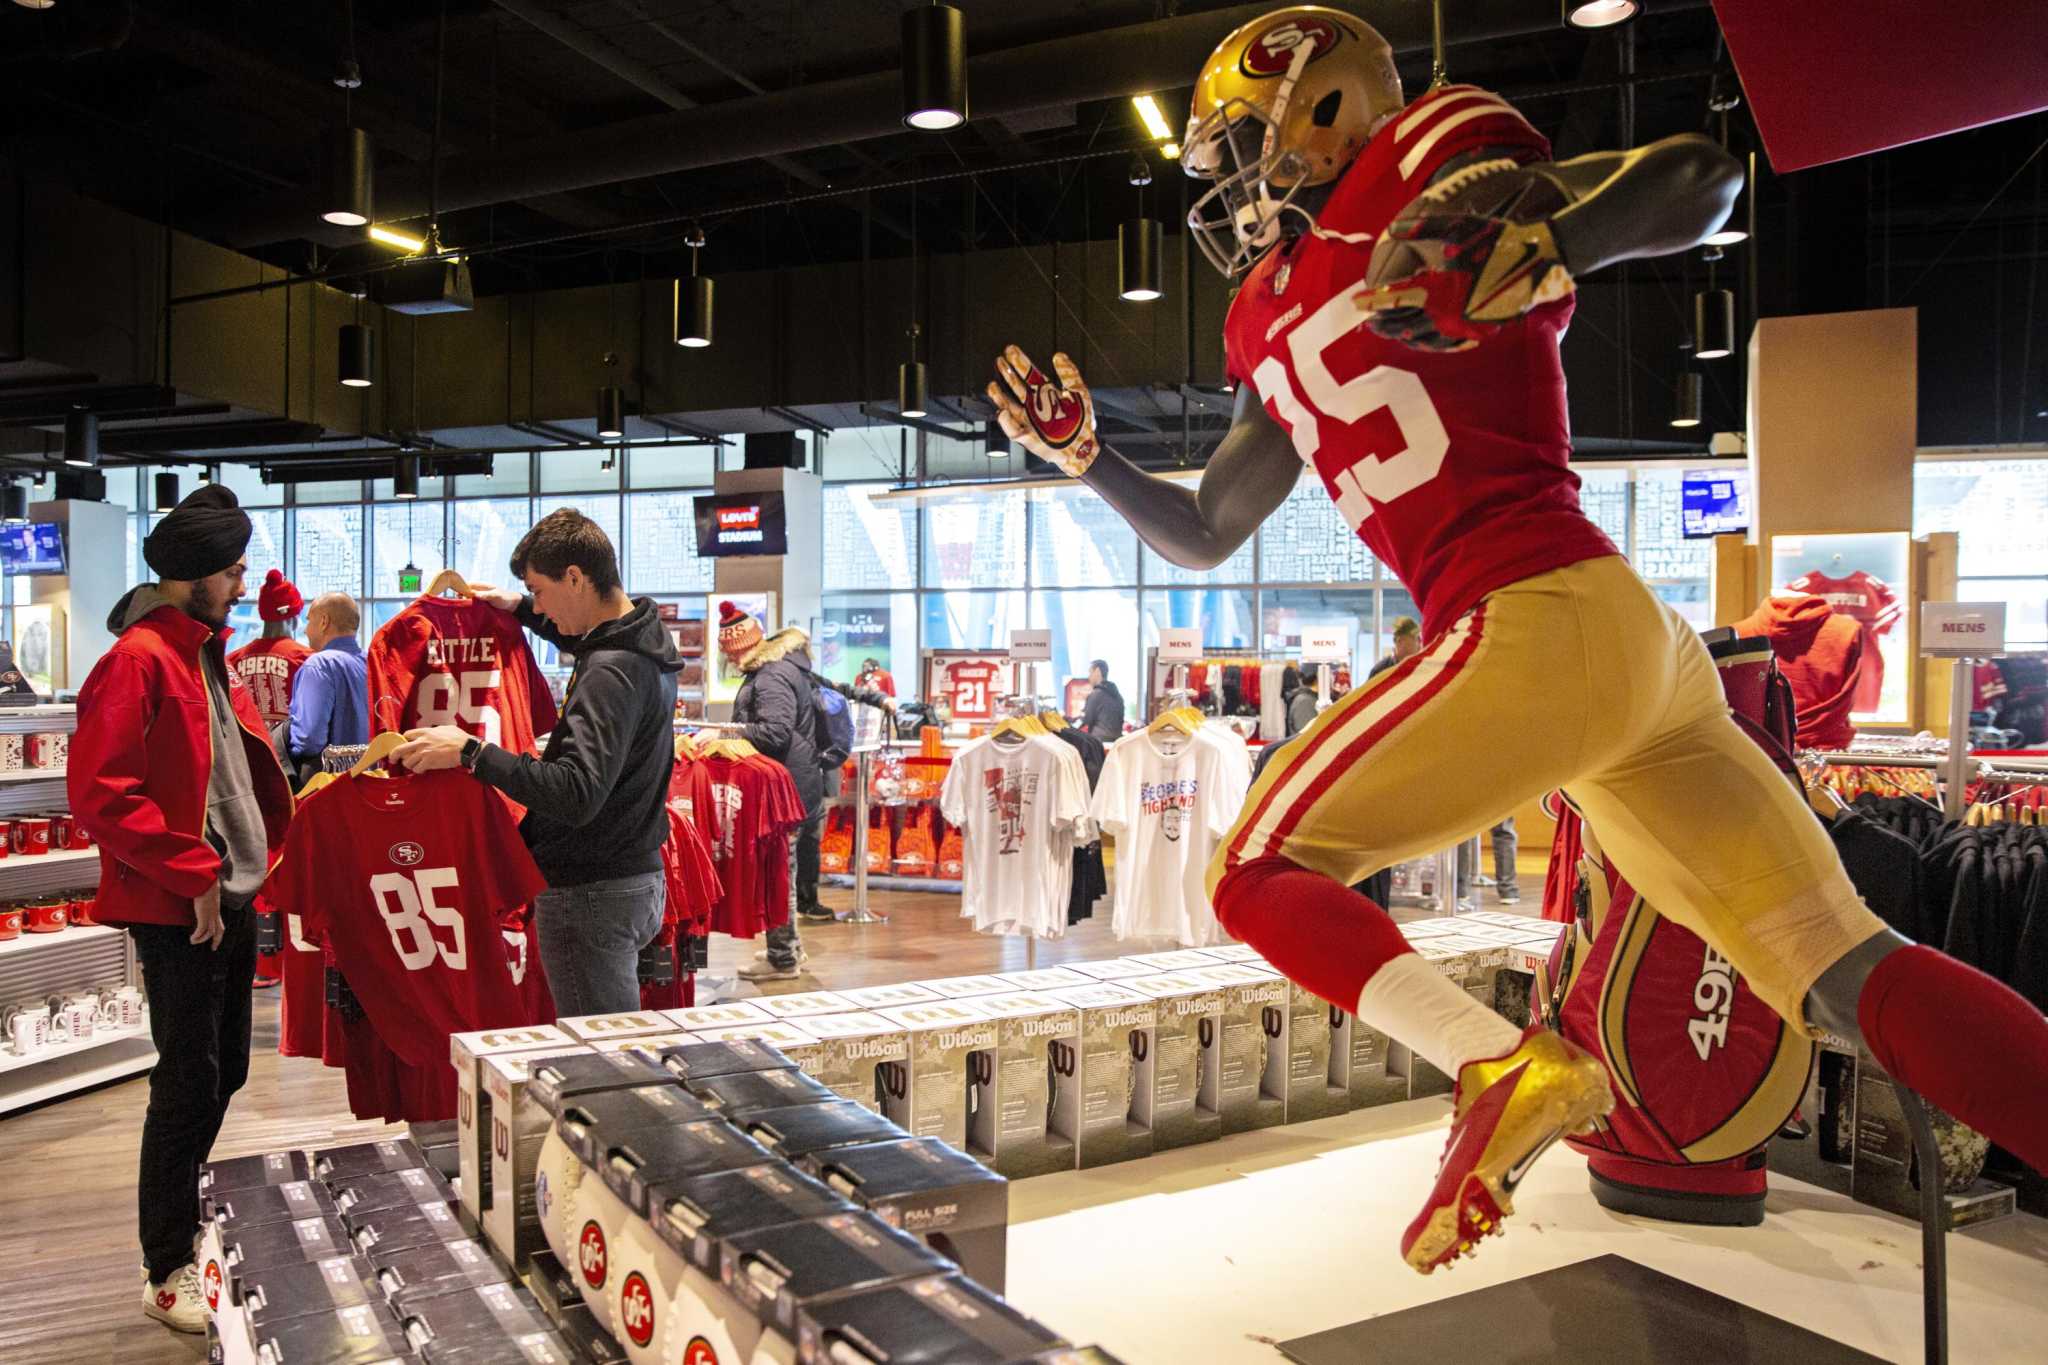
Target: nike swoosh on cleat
(1514,1173)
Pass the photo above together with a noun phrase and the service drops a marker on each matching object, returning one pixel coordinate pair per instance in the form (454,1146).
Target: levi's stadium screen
(741,524)
(1713,503)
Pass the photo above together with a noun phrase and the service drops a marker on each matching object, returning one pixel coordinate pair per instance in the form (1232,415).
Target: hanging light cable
(934,68)
(1733,231)
(911,396)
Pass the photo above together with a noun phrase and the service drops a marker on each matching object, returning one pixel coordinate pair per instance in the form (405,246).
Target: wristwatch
(472,750)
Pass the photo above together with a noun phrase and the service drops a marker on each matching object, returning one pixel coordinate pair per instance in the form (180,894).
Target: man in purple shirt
(331,695)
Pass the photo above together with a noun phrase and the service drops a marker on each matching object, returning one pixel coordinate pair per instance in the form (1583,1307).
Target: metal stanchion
(1961,685)
(1933,1227)
(1447,881)
(863,768)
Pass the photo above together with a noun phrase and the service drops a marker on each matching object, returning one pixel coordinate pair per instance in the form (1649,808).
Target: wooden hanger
(449,581)
(1023,726)
(381,747)
(1052,720)
(1183,719)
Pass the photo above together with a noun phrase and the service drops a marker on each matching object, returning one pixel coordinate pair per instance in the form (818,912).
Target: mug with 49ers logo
(31,835)
(48,750)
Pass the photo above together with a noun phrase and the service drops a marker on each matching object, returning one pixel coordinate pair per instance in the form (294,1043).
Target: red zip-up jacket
(142,760)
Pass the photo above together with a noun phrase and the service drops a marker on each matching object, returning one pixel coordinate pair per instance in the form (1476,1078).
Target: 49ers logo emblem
(1056,415)
(699,1352)
(407,853)
(590,1255)
(212,1278)
(1272,52)
(636,1309)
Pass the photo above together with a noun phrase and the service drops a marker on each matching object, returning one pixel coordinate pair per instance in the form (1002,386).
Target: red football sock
(1992,1075)
(1311,928)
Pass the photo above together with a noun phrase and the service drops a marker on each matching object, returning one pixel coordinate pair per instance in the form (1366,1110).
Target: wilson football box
(800,1004)
(519,1125)
(1306,1048)
(268,1204)
(336,1164)
(935,1193)
(596,1028)
(799,1130)
(732,1096)
(1098,1070)
(267,1244)
(1359,1061)
(945,1318)
(365,1194)
(1115,969)
(471,1317)
(1009,1105)
(395,1229)
(927,1092)
(648,1045)
(852,1049)
(1241,953)
(545,1347)
(786,1036)
(697,1060)
(703,1018)
(695,1216)
(1248,1079)
(638,1163)
(466,1052)
(557,1078)
(1885,1169)
(1042,979)
(413,1273)
(777,1272)
(966,987)
(1179,960)
(360,1335)
(277,1292)
(1185,1056)
(594,1345)
(595,1123)
(553,1283)
(887,997)
(245,1172)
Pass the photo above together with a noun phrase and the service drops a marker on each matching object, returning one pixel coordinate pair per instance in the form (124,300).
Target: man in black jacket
(1103,716)
(596,799)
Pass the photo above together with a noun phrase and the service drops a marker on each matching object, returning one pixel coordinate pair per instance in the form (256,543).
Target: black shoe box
(800,1130)
(922,1322)
(776,1272)
(293,1200)
(555,1079)
(367,1334)
(695,1216)
(546,1347)
(954,1204)
(639,1161)
(594,1345)
(591,1123)
(274,1293)
(395,1229)
(365,1194)
(265,1244)
(339,1164)
(405,1277)
(248,1172)
(552,1283)
(473,1317)
(747,1091)
(701,1061)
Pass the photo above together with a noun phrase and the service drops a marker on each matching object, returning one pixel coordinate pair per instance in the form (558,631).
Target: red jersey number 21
(461,699)
(406,900)
(1373,475)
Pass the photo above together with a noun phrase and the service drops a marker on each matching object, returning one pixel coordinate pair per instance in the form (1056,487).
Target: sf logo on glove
(1059,417)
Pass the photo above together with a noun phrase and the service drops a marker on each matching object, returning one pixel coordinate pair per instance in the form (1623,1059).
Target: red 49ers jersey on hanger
(1451,465)
(1870,602)
(456,661)
(267,668)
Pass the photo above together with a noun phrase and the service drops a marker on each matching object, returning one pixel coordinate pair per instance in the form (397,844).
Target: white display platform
(1263,1237)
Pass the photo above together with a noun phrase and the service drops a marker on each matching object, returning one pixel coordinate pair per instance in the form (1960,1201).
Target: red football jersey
(404,880)
(754,807)
(970,688)
(454,661)
(1870,602)
(267,668)
(302,1006)
(1453,466)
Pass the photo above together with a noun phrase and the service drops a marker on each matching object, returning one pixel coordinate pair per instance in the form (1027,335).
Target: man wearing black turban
(172,774)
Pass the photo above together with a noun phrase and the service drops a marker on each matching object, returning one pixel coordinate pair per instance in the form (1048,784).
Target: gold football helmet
(1283,105)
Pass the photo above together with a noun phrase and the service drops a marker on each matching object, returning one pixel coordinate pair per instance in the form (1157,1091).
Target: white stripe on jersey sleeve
(1429,106)
(1421,149)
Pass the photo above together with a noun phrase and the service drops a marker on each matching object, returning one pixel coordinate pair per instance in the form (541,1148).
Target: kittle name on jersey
(447,653)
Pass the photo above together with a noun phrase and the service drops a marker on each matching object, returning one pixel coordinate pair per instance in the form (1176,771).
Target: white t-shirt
(1021,808)
(1168,800)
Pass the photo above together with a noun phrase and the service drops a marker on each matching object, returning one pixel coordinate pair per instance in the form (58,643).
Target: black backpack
(831,722)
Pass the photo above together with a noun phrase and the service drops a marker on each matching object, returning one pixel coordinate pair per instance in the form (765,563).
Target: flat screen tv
(34,547)
(741,524)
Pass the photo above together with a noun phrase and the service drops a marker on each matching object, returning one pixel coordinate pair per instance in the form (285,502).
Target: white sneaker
(178,1302)
(803,955)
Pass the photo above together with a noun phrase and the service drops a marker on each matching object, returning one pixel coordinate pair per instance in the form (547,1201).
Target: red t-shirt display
(1870,602)
(1453,466)
(1820,652)
(404,882)
(747,812)
(460,662)
(302,1005)
(267,668)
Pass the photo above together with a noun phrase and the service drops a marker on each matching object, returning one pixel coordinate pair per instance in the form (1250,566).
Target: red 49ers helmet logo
(590,1254)
(699,1352)
(212,1284)
(1056,415)
(1272,52)
(636,1309)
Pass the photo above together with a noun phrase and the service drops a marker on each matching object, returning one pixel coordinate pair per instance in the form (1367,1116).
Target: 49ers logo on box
(1272,52)
(636,1309)
(213,1285)
(1056,415)
(591,1256)
(699,1352)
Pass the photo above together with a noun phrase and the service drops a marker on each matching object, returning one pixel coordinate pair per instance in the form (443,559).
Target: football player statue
(1407,274)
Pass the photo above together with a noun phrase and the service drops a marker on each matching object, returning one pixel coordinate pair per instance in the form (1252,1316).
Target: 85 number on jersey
(407,901)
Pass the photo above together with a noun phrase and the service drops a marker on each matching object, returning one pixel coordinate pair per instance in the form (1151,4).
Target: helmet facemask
(1240,216)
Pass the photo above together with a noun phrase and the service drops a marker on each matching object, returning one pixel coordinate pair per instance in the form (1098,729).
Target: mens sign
(1962,630)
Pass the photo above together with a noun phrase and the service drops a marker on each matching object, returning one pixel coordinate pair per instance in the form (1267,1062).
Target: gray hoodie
(234,821)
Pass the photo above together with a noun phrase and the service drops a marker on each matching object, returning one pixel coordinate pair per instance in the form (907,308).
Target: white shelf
(34,775)
(56,1072)
(106,1038)
(66,870)
(77,933)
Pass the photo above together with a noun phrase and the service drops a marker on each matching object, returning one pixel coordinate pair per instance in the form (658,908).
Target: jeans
(590,941)
(783,939)
(199,1022)
(1504,847)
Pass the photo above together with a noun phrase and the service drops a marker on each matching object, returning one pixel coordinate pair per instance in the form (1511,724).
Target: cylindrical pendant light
(1600,13)
(1140,243)
(611,413)
(1713,323)
(693,311)
(405,477)
(934,68)
(82,438)
(910,390)
(350,178)
(14,505)
(166,491)
(358,349)
(995,440)
(1685,411)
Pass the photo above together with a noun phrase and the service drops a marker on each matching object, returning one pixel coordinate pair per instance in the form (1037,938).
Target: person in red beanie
(1820,652)
(267,665)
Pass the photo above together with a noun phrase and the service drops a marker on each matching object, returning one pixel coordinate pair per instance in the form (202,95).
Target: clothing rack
(339,758)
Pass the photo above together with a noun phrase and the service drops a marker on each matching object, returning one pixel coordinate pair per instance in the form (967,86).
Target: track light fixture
(166,491)
(934,68)
(1713,323)
(81,438)
(405,477)
(1600,13)
(14,505)
(1685,411)
(357,355)
(349,179)
(911,397)
(693,310)
(995,440)
(1139,245)
(209,473)
(611,413)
